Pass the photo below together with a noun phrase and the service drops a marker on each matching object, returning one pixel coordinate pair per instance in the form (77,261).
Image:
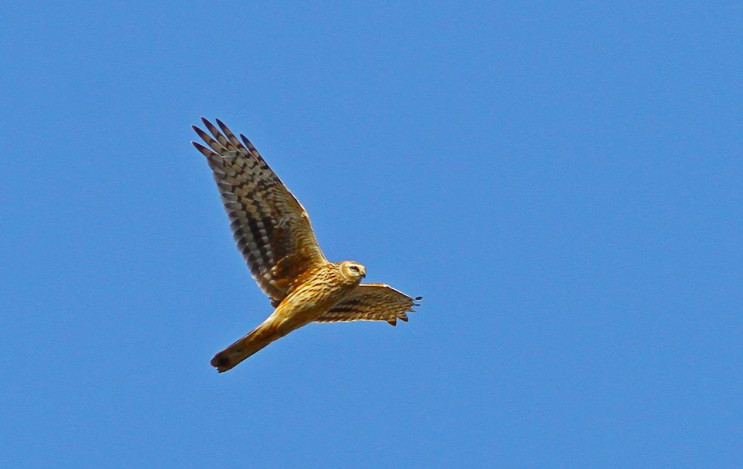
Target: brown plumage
(274,235)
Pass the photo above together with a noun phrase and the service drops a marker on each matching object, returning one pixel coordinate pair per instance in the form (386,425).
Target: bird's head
(353,270)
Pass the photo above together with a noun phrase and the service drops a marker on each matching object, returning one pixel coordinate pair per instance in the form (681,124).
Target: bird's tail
(245,347)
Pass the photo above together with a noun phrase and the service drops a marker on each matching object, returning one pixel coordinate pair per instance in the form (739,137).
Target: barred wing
(372,302)
(270,226)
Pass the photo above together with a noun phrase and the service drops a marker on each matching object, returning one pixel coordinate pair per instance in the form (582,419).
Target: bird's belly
(307,304)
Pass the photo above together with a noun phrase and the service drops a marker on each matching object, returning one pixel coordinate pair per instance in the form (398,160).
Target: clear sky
(562,183)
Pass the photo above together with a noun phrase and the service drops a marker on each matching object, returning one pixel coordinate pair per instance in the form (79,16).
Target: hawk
(274,235)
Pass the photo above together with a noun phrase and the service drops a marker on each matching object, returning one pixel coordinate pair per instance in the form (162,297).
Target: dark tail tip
(221,362)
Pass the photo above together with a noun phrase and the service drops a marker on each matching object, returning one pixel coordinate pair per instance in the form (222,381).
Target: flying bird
(274,235)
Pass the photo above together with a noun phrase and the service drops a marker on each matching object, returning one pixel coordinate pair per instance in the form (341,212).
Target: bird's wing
(270,226)
(372,302)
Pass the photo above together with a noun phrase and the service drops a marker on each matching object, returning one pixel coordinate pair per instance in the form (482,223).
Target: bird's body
(316,293)
(274,234)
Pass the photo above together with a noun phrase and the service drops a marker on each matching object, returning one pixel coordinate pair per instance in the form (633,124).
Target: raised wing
(372,302)
(270,226)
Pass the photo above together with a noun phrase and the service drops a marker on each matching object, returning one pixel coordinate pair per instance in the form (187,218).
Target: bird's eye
(355,268)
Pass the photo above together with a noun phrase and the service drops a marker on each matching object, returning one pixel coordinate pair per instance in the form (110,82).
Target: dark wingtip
(228,133)
(202,149)
(392,322)
(204,136)
(247,143)
(418,298)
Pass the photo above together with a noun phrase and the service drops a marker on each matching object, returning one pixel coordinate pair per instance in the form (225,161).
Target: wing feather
(270,226)
(372,302)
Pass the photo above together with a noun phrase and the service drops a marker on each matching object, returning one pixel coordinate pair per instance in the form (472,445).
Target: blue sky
(561,182)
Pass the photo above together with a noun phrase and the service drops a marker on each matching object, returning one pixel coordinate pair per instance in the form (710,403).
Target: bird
(273,232)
